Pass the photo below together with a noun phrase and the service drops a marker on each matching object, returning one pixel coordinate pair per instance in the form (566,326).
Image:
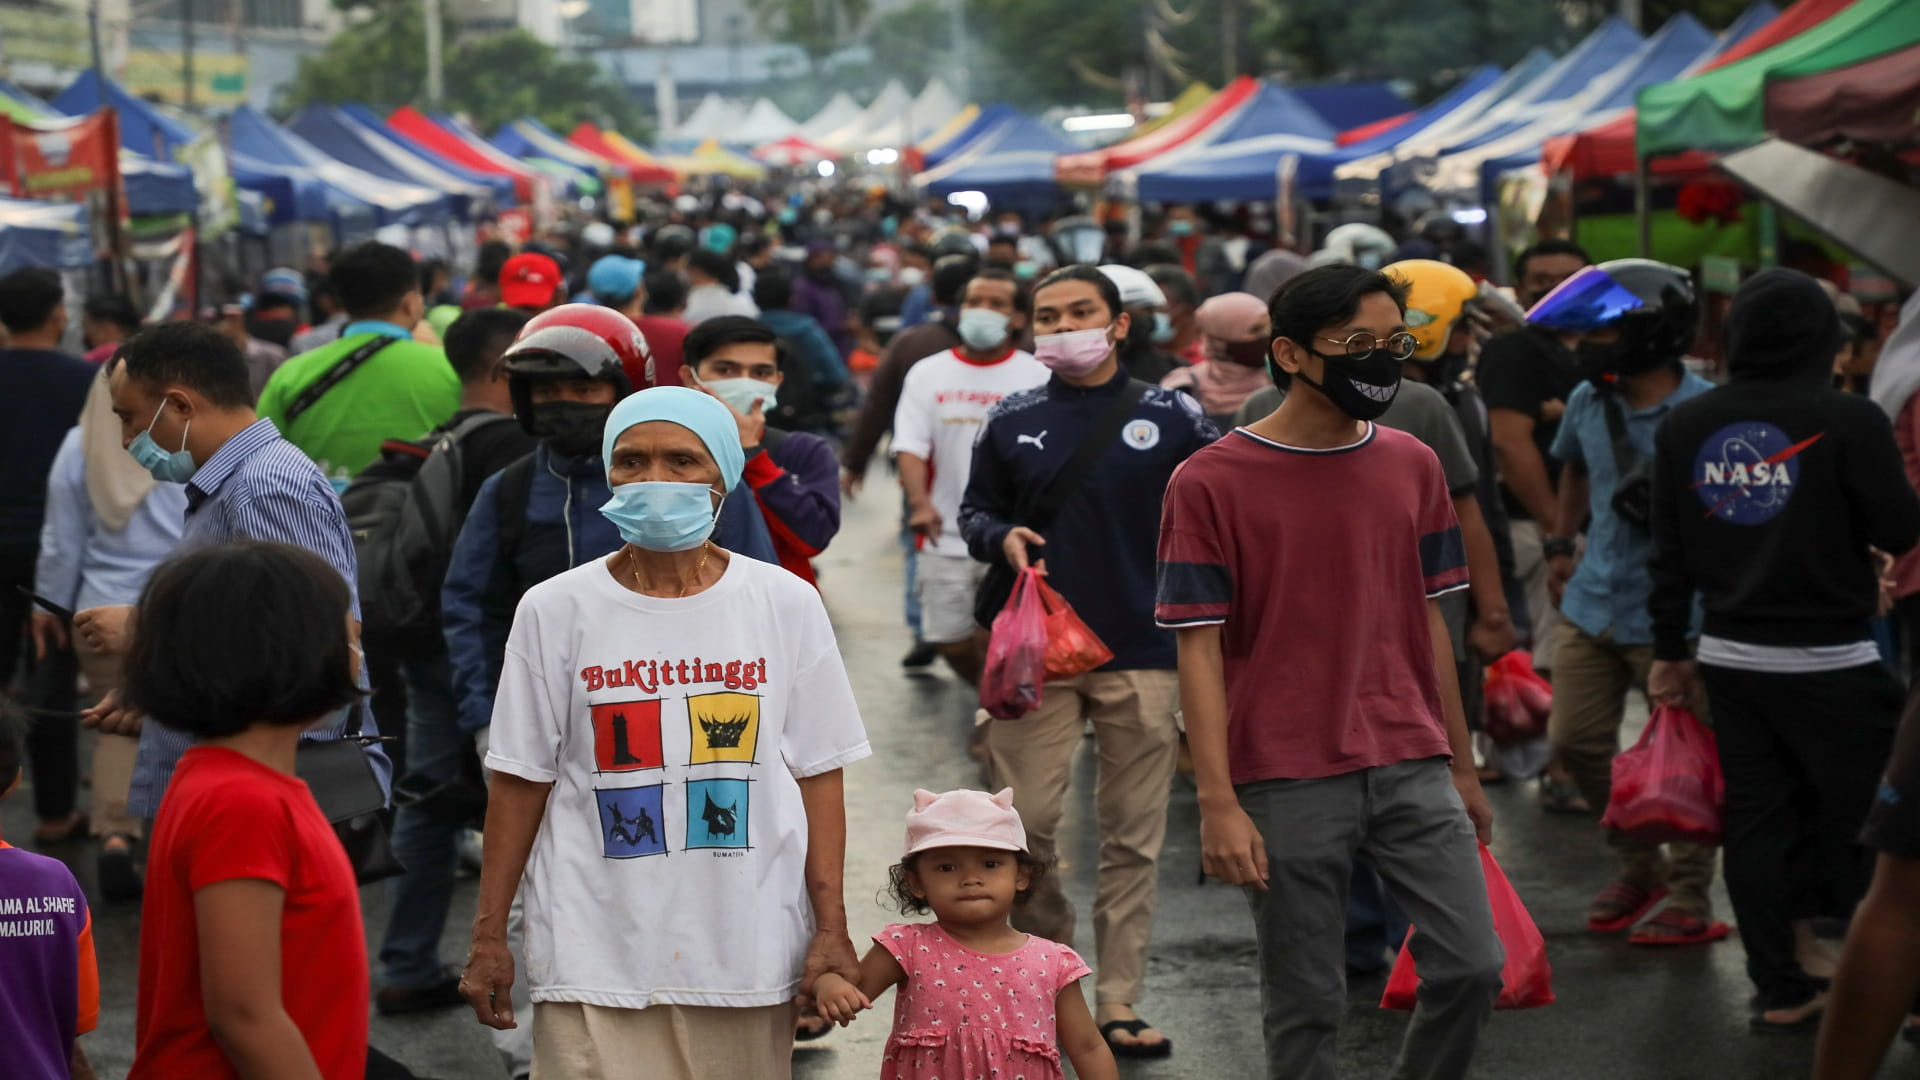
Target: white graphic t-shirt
(670,864)
(943,403)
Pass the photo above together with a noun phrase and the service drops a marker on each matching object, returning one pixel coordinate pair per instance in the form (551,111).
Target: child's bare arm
(1080,1038)
(841,1001)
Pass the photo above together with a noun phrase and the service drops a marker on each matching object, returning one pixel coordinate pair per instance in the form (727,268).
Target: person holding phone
(251,896)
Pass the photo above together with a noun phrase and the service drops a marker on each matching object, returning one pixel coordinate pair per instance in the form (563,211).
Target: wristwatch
(1556,547)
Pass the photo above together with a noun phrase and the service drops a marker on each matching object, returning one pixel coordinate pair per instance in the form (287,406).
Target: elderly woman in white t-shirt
(666,752)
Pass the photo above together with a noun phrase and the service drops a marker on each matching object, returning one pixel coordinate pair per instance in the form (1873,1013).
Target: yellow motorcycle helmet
(1437,297)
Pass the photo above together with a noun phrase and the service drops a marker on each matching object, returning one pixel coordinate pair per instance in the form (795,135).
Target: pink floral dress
(966,1015)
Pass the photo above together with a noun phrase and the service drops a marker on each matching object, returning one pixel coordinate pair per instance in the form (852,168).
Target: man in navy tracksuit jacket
(1099,553)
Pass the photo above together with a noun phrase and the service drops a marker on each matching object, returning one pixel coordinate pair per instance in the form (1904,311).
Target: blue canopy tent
(1679,47)
(1272,122)
(502,187)
(290,193)
(1350,105)
(43,234)
(331,131)
(989,118)
(144,129)
(157,187)
(259,139)
(1012,165)
(1482,89)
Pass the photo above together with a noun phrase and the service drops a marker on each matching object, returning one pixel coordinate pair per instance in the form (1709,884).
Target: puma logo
(1038,441)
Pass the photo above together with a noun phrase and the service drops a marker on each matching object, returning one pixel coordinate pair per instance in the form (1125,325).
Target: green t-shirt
(403,392)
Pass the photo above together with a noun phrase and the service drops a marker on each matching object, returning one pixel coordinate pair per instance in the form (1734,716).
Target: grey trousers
(1408,819)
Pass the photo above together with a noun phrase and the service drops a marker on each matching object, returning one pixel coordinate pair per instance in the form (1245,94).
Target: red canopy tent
(794,150)
(1877,100)
(1090,168)
(477,156)
(1608,150)
(590,138)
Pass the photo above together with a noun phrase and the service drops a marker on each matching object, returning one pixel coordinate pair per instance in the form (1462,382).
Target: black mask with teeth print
(1361,388)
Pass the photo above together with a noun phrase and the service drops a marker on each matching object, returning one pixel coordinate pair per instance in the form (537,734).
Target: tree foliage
(491,78)
(819,27)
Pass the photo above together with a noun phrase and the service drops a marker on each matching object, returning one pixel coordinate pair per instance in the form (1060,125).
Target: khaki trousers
(574,1041)
(1136,746)
(112,754)
(1530,568)
(1591,679)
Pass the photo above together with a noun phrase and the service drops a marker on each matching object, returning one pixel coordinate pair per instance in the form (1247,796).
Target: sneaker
(922,655)
(119,878)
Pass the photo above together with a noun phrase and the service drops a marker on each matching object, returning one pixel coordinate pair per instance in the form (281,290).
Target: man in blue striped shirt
(185,388)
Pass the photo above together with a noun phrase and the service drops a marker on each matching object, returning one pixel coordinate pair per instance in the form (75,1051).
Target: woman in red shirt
(252,957)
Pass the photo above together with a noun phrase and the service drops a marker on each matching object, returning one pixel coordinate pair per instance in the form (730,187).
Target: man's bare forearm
(824,799)
(515,807)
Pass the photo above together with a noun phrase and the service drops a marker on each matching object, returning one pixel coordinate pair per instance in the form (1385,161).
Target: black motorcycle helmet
(1651,304)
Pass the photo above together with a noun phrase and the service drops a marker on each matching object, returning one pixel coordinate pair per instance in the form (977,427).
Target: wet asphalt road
(1623,1013)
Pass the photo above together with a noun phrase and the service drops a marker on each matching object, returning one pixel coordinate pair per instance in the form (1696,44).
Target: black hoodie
(1769,491)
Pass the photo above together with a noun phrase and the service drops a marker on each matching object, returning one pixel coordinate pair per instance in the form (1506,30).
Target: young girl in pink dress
(978,1000)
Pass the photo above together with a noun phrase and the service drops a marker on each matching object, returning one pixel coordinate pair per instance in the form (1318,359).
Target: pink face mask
(1074,353)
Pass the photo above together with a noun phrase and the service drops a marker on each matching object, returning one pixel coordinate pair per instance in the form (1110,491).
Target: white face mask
(910,277)
(741,393)
(982,328)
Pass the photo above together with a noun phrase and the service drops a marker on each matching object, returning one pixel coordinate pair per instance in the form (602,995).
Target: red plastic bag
(1016,653)
(1072,646)
(1517,700)
(1669,786)
(1528,977)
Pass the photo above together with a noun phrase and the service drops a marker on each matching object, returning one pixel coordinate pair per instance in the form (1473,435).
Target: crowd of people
(395,566)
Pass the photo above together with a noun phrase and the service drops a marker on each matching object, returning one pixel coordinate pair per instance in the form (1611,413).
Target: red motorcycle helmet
(576,340)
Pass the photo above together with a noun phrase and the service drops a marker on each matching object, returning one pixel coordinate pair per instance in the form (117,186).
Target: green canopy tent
(1726,107)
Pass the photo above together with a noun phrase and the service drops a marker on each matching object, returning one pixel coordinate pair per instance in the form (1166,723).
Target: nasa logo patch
(1745,473)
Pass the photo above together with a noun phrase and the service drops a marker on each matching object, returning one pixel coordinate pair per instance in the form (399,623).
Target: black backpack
(404,511)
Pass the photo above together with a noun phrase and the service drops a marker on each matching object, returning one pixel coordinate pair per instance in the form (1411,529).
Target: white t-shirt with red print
(669,867)
(943,405)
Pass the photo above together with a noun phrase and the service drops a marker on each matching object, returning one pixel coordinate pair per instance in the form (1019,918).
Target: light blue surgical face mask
(982,328)
(168,467)
(663,515)
(741,393)
(1162,328)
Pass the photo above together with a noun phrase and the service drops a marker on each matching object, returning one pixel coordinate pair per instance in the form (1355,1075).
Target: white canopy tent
(839,111)
(762,124)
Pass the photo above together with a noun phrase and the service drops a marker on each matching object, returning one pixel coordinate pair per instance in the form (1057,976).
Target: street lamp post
(186,52)
(430,10)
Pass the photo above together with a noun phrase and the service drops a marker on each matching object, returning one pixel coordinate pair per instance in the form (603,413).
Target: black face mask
(1360,388)
(570,428)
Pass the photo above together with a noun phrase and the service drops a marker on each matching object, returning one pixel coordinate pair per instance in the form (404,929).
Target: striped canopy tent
(341,136)
(1089,168)
(34,234)
(641,167)
(1681,45)
(527,138)
(1607,149)
(1274,121)
(460,145)
(1727,107)
(1195,95)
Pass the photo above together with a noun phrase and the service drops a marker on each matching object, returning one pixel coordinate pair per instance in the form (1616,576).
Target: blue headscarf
(691,409)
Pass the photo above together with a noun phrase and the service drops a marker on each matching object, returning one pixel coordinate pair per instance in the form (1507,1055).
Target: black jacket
(1769,492)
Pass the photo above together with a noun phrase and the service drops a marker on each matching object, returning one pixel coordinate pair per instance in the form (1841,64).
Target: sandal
(1161,1049)
(1686,928)
(1629,902)
(1562,797)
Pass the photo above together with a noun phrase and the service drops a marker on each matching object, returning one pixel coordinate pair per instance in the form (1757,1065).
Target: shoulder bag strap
(1048,501)
(335,375)
(1624,456)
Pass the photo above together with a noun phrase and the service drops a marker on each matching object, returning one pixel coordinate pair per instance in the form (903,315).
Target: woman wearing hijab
(666,749)
(108,524)
(1234,332)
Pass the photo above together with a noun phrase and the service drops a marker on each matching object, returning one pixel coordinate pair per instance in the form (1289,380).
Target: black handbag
(343,783)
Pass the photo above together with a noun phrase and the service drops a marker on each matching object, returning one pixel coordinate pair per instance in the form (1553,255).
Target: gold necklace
(633,562)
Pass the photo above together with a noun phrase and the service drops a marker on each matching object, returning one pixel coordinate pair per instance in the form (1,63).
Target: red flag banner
(63,160)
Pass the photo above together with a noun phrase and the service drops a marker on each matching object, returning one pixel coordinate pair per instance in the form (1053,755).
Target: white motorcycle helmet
(1357,244)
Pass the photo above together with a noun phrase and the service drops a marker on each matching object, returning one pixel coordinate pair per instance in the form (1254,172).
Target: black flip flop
(1760,1025)
(801,1034)
(1163,1048)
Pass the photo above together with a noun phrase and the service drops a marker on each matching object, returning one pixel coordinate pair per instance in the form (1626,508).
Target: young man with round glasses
(1322,705)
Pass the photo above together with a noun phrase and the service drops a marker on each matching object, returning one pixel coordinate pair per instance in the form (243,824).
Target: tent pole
(1643,203)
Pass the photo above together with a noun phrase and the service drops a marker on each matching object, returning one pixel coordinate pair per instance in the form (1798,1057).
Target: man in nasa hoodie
(1771,497)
